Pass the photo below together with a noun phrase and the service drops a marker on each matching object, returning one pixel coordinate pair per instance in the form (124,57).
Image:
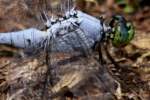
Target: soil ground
(134,59)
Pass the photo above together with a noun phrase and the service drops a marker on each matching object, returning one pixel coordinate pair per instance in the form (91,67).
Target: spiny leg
(101,42)
(110,57)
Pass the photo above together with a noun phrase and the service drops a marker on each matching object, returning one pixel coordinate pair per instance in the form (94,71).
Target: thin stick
(48,75)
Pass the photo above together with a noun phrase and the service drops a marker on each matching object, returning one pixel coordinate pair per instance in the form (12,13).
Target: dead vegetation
(82,78)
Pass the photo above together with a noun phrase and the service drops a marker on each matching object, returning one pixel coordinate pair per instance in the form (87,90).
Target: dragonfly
(74,32)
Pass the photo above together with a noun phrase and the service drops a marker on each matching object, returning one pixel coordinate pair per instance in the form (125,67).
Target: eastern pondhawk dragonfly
(75,32)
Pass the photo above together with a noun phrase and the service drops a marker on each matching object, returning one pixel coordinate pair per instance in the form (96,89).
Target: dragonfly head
(123,31)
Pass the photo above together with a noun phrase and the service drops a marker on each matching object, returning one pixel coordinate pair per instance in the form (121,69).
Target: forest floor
(134,59)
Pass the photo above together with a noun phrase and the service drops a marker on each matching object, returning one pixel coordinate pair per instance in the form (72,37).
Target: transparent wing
(73,43)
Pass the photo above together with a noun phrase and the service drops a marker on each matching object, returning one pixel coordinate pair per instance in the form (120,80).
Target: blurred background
(21,14)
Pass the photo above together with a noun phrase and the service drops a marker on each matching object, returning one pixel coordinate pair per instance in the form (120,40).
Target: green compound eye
(123,32)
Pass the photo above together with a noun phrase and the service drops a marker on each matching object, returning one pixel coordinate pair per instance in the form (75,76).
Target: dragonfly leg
(110,57)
